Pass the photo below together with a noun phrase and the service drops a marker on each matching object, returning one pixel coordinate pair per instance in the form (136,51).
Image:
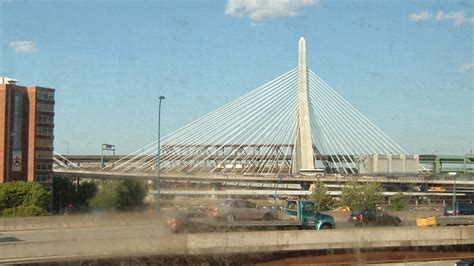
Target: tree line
(19,198)
(356,195)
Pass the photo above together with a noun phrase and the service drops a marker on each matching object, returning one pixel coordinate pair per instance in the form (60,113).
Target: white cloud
(23,46)
(467,67)
(258,10)
(458,17)
(420,16)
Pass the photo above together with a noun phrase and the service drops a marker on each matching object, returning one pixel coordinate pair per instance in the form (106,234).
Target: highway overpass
(77,173)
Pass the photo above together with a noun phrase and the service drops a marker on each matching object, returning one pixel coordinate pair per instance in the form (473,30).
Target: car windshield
(309,206)
(225,203)
(181,215)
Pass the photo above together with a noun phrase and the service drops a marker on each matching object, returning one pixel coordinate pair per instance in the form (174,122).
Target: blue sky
(407,65)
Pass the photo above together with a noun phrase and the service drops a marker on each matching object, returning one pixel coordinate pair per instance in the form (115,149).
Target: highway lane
(157,229)
(128,225)
(140,239)
(90,233)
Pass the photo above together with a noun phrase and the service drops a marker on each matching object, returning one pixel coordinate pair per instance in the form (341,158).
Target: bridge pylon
(303,152)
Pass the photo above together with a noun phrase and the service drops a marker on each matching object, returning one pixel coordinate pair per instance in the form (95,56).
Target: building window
(44,166)
(46,95)
(45,107)
(44,178)
(46,131)
(48,143)
(45,119)
(44,155)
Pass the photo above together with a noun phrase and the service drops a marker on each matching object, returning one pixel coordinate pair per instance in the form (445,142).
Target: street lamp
(157,181)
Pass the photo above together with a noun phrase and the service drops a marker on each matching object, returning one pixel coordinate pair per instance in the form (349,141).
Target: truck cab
(305,211)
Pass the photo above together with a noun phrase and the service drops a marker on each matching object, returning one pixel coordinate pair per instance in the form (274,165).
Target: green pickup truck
(305,212)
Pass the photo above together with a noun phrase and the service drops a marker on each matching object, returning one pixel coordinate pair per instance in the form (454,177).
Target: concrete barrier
(328,239)
(77,221)
(36,251)
(236,242)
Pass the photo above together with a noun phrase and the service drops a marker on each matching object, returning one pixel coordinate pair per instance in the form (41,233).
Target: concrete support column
(404,162)
(389,160)
(303,153)
(375,158)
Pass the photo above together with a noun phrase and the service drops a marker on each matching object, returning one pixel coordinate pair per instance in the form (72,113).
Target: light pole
(157,181)
(453,174)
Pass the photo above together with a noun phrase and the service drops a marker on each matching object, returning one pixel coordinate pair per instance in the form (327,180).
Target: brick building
(26,132)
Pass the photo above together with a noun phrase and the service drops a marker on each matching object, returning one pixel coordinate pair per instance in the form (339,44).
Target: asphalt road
(138,227)
(89,233)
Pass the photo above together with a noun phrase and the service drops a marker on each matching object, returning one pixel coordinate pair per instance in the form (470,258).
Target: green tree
(66,191)
(85,192)
(398,202)
(320,194)
(361,195)
(22,211)
(19,198)
(119,195)
(132,193)
(108,196)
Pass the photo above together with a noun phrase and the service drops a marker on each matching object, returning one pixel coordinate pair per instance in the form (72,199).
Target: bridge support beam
(303,152)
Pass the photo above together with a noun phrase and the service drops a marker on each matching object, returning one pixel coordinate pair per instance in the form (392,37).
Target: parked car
(465,262)
(232,210)
(462,208)
(181,221)
(372,216)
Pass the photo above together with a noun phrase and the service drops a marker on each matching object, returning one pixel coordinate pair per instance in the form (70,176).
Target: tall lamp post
(157,181)
(454,174)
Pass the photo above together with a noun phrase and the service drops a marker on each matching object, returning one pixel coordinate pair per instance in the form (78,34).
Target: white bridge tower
(303,152)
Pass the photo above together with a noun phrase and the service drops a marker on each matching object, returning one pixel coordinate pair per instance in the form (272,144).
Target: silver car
(232,210)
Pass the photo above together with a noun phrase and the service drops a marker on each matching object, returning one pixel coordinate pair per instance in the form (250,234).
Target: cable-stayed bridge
(295,122)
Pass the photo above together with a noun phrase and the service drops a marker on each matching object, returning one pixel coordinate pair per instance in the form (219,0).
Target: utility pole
(157,181)
(453,174)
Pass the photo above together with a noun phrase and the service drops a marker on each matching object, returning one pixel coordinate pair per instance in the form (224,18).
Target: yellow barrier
(342,209)
(429,221)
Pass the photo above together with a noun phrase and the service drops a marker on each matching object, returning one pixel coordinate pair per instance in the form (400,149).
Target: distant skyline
(406,65)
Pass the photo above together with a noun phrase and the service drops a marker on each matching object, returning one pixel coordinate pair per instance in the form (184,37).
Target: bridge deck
(72,173)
